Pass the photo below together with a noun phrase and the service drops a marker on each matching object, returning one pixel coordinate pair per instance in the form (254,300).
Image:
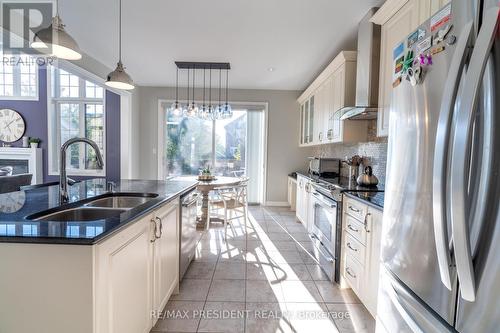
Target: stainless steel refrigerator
(440,258)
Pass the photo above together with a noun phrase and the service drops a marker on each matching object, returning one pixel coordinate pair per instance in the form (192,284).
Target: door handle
(462,141)
(365,223)
(441,157)
(160,229)
(154,231)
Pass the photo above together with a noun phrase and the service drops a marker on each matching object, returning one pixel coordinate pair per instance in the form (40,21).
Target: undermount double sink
(106,206)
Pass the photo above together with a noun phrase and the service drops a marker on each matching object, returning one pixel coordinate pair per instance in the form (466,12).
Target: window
(77,110)
(18,77)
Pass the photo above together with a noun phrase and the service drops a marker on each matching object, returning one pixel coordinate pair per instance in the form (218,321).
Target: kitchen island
(106,275)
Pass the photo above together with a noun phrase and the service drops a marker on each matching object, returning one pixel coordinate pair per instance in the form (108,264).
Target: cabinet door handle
(352,248)
(366,222)
(354,209)
(351,228)
(348,271)
(320,136)
(160,229)
(154,231)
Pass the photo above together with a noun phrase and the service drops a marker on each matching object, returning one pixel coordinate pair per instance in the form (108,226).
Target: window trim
(53,170)
(16,71)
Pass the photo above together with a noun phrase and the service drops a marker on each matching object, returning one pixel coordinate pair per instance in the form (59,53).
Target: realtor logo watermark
(20,22)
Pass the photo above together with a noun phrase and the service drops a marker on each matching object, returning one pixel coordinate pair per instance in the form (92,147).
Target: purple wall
(35,117)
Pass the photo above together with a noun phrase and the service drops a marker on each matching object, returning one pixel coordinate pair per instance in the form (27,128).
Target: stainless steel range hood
(367,75)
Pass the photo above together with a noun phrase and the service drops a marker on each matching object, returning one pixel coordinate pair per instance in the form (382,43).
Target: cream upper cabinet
(332,90)
(398,19)
(393,32)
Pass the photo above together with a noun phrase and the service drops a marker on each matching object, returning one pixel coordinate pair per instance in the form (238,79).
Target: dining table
(205,187)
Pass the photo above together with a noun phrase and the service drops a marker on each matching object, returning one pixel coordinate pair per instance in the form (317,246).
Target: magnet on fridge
(425,59)
(408,63)
(414,75)
(397,82)
(437,50)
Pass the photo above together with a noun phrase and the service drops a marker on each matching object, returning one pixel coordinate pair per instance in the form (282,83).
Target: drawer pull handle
(350,273)
(351,228)
(352,248)
(354,209)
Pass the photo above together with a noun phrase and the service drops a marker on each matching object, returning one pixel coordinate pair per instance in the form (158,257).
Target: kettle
(367,178)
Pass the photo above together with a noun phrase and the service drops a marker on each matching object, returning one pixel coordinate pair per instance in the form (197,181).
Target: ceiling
(297,38)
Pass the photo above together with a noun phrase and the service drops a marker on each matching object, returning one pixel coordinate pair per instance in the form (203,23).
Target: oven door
(323,233)
(325,221)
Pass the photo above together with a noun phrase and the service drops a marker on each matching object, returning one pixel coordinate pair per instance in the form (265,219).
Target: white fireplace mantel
(32,155)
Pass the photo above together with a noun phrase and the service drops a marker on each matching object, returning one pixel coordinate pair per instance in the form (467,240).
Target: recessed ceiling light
(271,69)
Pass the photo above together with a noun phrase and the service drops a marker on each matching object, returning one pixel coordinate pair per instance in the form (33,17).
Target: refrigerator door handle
(462,140)
(441,156)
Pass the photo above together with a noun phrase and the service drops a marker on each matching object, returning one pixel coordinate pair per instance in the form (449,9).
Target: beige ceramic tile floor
(261,279)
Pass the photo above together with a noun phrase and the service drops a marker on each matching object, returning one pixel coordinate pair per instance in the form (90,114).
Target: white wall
(283,154)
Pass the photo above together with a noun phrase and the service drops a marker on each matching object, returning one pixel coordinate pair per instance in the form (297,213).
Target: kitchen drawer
(355,228)
(355,208)
(352,272)
(354,249)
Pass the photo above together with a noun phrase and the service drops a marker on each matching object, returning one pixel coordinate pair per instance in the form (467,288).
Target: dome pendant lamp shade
(56,39)
(118,78)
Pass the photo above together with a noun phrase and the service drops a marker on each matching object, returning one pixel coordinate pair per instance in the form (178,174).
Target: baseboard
(277,204)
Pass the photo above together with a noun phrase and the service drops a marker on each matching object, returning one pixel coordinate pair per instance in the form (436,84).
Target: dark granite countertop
(16,206)
(376,199)
(344,183)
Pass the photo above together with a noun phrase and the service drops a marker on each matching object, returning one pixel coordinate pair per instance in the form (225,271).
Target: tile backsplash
(375,150)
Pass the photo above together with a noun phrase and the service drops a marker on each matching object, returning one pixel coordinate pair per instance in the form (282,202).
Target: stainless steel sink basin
(80,214)
(125,202)
(102,207)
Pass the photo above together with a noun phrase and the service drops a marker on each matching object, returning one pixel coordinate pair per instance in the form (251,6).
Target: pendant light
(227,111)
(185,108)
(202,112)
(192,109)
(119,78)
(176,108)
(62,45)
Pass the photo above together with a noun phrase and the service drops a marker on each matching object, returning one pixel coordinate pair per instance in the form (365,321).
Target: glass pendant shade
(176,109)
(119,78)
(227,111)
(57,40)
(192,110)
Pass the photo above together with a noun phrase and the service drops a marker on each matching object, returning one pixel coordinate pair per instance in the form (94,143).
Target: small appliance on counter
(324,167)
(367,178)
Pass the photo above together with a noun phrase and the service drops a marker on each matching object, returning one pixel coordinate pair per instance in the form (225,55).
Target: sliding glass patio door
(230,147)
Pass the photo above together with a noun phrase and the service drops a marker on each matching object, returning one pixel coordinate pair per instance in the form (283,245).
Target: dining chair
(14,183)
(233,200)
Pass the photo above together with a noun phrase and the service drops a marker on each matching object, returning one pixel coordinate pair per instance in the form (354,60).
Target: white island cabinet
(113,286)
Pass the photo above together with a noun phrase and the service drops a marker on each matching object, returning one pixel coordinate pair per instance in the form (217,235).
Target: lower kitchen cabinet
(113,286)
(302,199)
(124,266)
(166,255)
(362,228)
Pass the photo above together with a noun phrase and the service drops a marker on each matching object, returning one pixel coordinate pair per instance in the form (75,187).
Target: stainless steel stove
(326,230)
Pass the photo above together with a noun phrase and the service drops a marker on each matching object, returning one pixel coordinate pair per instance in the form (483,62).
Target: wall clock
(12,202)
(12,125)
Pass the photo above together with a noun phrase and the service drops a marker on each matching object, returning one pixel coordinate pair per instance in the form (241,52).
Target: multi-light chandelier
(208,110)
